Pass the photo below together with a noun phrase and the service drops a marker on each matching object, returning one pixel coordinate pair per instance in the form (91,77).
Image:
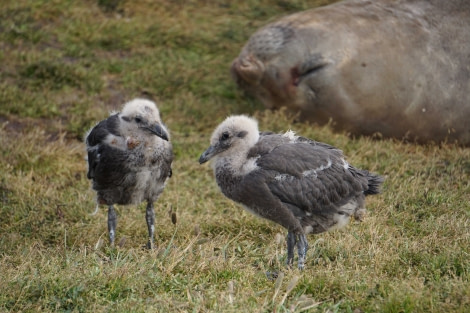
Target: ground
(66,65)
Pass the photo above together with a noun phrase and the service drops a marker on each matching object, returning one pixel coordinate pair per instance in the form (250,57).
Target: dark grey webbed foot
(290,248)
(272,275)
(150,218)
(112,222)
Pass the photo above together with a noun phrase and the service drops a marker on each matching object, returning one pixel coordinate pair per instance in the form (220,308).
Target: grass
(67,64)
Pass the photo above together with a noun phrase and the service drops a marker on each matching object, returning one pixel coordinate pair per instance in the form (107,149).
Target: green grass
(67,64)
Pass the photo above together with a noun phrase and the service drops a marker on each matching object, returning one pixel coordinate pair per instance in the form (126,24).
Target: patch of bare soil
(15,126)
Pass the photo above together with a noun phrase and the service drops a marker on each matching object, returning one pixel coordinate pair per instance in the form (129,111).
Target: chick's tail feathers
(374,182)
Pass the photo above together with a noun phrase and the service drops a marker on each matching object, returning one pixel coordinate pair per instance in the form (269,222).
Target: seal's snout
(247,69)
(234,71)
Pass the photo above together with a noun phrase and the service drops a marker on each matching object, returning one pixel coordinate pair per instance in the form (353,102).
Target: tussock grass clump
(66,65)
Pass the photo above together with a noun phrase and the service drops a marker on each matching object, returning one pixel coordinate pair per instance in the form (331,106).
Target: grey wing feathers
(97,150)
(99,133)
(266,143)
(310,175)
(326,146)
(269,141)
(110,168)
(167,172)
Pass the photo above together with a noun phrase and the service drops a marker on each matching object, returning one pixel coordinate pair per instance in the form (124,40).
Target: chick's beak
(207,155)
(159,131)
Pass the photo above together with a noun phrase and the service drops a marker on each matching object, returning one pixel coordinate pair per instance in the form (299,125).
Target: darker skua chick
(129,160)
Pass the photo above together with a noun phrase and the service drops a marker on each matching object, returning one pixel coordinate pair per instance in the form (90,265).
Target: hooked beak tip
(164,137)
(202,159)
(159,131)
(206,155)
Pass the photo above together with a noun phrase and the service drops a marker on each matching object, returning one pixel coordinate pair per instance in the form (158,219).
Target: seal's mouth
(308,68)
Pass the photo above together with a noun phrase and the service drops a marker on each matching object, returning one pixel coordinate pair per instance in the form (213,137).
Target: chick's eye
(138,119)
(224,136)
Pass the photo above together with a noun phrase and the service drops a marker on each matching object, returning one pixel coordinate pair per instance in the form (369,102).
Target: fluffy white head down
(244,135)
(144,110)
(142,107)
(237,123)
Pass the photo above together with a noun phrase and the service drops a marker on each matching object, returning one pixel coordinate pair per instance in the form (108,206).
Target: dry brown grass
(67,64)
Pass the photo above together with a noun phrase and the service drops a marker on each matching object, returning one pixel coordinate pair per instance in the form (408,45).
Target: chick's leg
(291,240)
(302,247)
(112,222)
(150,218)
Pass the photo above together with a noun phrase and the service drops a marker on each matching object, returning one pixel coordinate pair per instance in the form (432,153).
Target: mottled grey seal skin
(303,185)
(129,160)
(399,68)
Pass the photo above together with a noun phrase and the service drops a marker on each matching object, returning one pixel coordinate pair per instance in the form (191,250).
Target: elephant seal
(400,68)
